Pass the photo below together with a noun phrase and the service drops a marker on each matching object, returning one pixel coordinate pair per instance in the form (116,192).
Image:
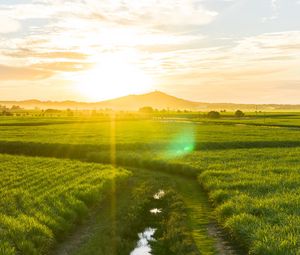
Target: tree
(70,112)
(214,115)
(146,109)
(239,114)
(15,108)
(6,113)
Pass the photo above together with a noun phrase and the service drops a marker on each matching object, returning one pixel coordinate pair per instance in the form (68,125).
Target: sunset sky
(242,51)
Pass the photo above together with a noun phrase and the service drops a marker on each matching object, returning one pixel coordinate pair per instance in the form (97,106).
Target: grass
(43,199)
(249,168)
(256,196)
(153,133)
(261,119)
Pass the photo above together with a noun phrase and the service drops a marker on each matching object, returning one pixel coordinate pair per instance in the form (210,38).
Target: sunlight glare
(113,76)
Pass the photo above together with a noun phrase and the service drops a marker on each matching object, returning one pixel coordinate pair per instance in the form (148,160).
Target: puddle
(159,195)
(143,246)
(155,211)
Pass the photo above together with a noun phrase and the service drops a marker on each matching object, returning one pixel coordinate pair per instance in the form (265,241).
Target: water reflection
(159,195)
(143,246)
(155,211)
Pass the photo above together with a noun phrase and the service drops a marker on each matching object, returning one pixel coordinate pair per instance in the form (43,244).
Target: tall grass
(256,196)
(42,199)
(251,174)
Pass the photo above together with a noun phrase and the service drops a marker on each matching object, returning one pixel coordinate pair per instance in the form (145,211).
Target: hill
(155,99)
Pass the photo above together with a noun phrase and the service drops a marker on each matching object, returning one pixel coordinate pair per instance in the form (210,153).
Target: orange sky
(243,51)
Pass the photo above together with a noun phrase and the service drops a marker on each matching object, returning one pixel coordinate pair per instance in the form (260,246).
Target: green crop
(249,168)
(42,199)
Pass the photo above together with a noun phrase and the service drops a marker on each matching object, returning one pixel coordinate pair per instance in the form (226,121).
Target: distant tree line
(5,111)
(217,115)
(149,110)
(16,110)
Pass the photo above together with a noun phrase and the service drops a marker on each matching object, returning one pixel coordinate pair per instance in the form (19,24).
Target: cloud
(23,73)
(147,13)
(8,25)
(164,38)
(63,66)
(262,58)
(26,53)
(36,10)
(274,5)
(98,26)
(271,44)
(153,13)
(275,11)
(41,70)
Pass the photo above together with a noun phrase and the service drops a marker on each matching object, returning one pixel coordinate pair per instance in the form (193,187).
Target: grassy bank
(255,193)
(195,216)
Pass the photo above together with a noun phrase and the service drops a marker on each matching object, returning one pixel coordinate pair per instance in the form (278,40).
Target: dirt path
(85,230)
(208,238)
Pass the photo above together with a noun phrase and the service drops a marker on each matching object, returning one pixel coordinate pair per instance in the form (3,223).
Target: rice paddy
(247,168)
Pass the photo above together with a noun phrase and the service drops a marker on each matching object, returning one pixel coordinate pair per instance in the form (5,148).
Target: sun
(113,76)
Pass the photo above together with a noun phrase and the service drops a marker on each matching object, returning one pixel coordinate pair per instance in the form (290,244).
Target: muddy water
(155,211)
(143,246)
(160,194)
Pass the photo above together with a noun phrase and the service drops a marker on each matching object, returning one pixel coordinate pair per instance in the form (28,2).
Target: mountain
(156,99)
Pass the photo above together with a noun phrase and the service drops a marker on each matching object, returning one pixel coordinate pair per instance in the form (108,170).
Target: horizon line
(152,92)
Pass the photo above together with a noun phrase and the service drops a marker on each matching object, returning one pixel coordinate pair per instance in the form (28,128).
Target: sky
(240,51)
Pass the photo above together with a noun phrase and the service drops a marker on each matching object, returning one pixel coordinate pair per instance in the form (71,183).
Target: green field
(235,184)
(41,199)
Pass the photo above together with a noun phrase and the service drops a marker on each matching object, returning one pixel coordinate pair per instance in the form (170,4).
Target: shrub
(146,109)
(214,115)
(239,114)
